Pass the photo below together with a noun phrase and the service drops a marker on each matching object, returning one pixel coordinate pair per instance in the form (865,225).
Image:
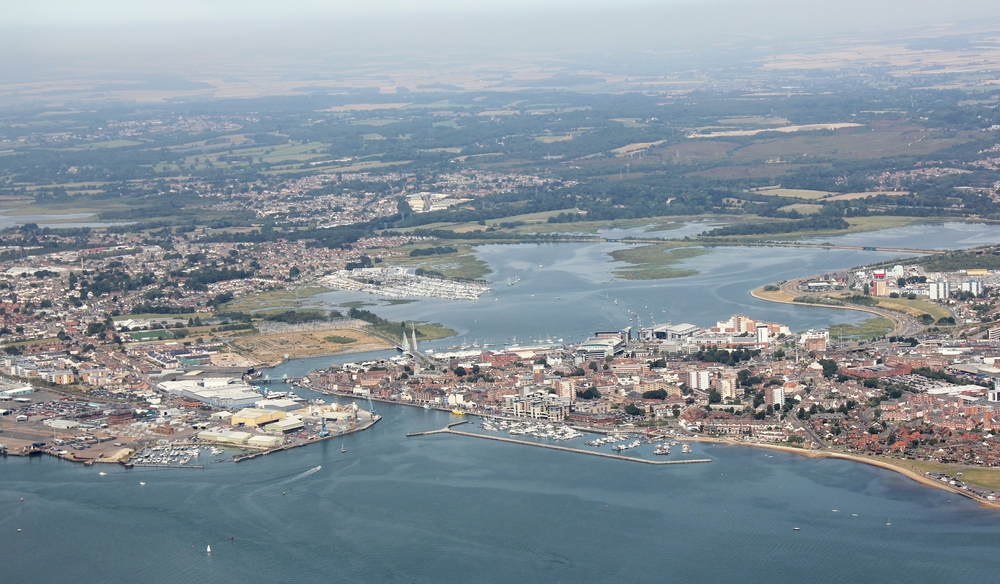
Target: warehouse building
(255,418)
(264,441)
(221,392)
(225,436)
(285,425)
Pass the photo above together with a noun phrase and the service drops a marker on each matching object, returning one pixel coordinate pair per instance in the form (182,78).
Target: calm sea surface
(447,509)
(456,509)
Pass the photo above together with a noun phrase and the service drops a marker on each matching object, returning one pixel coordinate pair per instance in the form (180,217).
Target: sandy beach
(911,474)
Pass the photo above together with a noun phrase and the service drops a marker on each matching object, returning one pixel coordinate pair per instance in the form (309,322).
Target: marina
(448,430)
(396,282)
(523,428)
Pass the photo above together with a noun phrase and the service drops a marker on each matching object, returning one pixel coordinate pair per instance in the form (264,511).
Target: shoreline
(919,478)
(910,474)
(897,321)
(448,430)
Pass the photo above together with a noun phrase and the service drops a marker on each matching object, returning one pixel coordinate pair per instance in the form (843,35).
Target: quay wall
(448,430)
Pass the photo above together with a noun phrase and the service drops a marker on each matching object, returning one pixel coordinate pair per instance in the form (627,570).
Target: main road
(903,324)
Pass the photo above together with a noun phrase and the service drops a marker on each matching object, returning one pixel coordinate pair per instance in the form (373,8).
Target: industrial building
(221,392)
(16,391)
(285,425)
(668,332)
(284,405)
(264,441)
(599,347)
(225,436)
(255,418)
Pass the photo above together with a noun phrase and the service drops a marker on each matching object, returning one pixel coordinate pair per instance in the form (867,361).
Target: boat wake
(310,472)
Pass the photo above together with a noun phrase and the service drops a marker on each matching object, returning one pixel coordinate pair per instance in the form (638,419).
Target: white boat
(102,473)
(209,549)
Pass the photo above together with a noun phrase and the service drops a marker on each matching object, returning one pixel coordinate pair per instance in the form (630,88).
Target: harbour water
(568,289)
(447,509)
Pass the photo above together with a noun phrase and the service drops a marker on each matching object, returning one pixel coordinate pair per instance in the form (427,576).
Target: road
(903,324)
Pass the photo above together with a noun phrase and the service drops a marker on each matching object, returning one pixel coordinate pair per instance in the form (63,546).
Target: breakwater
(448,430)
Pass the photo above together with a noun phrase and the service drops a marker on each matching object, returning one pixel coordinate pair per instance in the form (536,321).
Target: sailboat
(342,449)
(888,521)
(209,549)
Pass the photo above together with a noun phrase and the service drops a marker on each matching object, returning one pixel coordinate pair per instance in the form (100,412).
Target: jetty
(448,430)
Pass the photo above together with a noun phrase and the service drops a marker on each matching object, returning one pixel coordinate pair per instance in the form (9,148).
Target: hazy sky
(77,12)
(39,35)
(83,13)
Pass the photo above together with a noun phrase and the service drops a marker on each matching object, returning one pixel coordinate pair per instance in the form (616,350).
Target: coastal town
(113,349)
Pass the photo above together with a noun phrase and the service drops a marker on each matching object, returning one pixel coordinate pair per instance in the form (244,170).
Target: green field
(793,193)
(801,208)
(273,300)
(339,339)
(868,329)
(914,307)
(155,335)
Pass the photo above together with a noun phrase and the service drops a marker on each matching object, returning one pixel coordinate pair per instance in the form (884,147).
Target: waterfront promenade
(448,430)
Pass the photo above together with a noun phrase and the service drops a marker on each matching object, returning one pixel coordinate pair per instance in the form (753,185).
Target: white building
(763,333)
(973,286)
(774,395)
(939,290)
(699,379)
(221,392)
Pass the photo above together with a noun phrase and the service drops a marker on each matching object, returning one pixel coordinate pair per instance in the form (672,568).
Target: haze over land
(164,50)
